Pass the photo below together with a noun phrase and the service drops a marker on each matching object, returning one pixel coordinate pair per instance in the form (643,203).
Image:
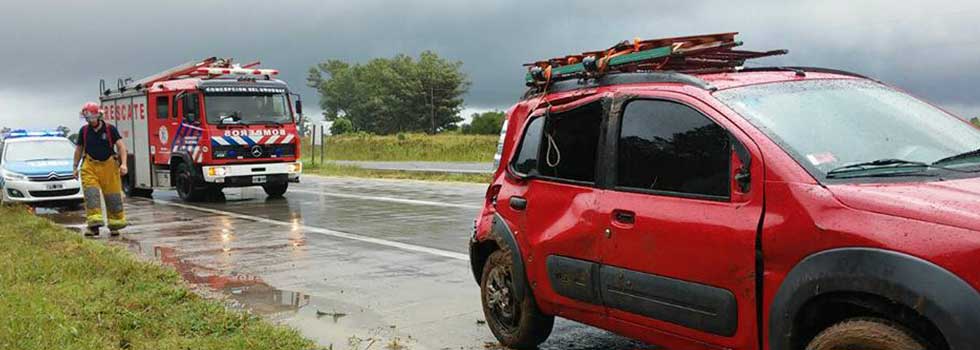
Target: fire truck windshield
(226,108)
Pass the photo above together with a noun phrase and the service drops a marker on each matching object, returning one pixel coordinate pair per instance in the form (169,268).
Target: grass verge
(60,291)
(448,147)
(334,169)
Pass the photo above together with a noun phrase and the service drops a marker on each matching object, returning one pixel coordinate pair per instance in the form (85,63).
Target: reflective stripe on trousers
(101,179)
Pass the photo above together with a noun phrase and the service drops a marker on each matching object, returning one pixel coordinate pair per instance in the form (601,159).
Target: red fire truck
(206,125)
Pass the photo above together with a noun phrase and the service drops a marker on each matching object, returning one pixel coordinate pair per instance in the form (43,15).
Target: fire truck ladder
(689,54)
(207,68)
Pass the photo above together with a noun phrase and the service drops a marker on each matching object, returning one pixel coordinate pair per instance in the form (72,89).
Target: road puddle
(331,323)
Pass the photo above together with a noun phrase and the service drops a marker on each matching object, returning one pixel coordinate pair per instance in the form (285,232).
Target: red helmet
(90,108)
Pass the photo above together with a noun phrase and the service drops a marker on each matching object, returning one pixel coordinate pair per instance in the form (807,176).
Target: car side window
(163,107)
(571,143)
(669,147)
(526,161)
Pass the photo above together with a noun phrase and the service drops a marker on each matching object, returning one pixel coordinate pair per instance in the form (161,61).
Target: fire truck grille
(257,151)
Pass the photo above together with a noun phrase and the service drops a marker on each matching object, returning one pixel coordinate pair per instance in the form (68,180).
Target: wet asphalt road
(438,167)
(348,262)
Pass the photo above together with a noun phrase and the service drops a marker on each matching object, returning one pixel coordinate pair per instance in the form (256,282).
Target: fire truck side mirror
(299,107)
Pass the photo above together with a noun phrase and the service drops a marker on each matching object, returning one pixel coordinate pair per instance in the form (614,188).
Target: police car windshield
(224,108)
(20,151)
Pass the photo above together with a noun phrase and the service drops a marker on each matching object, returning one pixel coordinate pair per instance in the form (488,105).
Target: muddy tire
(515,325)
(865,334)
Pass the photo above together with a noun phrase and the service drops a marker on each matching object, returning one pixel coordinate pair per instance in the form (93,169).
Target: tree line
(392,95)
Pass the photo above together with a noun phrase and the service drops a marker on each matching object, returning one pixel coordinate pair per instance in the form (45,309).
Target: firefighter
(101,147)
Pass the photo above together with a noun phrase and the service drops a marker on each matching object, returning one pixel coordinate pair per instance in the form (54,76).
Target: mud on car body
(765,208)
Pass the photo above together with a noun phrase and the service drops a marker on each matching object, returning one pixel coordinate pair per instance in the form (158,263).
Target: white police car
(36,169)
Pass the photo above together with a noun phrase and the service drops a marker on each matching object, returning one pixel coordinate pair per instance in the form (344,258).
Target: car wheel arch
(942,298)
(501,236)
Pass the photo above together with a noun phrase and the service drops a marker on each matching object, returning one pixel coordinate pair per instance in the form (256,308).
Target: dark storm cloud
(56,52)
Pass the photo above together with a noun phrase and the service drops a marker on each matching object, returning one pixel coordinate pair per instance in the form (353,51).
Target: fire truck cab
(207,125)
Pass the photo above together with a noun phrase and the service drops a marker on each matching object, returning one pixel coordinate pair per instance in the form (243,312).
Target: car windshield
(39,150)
(853,125)
(247,109)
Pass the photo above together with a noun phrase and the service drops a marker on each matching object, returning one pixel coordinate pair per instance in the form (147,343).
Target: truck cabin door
(187,125)
(681,215)
(162,126)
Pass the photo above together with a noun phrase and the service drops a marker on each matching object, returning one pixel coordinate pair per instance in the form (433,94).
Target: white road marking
(389,199)
(326,232)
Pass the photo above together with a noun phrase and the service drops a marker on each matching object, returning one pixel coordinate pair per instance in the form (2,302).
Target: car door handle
(624,216)
(518,203)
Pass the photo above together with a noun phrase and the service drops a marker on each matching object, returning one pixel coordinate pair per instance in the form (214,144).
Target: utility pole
(432,107)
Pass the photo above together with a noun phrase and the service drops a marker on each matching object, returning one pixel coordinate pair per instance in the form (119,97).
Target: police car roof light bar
(21,133)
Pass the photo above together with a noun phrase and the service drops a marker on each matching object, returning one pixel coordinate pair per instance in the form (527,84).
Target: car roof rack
(208,68)
(689,54)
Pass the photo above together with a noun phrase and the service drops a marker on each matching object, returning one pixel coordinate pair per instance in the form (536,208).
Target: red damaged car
(661,191)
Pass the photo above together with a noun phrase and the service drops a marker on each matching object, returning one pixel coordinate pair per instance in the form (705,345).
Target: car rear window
(570,144)
(526,161)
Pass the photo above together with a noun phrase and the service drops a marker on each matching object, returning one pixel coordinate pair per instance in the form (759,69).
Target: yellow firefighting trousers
(101,179)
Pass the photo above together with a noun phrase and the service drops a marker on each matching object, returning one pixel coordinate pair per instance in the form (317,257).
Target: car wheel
(187,188)
(865,334)
(518,325)
(276,190)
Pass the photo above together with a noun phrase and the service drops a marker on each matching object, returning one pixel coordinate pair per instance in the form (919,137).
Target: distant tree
(341,126)
(392,95)
(486,123)
(975,121)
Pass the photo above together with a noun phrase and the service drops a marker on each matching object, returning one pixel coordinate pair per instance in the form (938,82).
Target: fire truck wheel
(187,188)
(276,190)
(131,191)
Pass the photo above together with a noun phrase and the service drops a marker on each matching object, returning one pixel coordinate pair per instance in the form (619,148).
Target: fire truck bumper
(252,174)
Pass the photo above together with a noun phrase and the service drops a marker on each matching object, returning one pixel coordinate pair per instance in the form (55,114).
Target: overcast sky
(55,52)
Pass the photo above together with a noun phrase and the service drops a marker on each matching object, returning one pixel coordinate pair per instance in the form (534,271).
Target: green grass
(60,291)
(449,147)
(334,169)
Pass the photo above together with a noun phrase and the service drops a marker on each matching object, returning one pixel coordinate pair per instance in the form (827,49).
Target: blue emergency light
(20,133)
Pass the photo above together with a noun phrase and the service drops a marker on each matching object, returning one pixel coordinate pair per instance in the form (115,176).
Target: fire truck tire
(188,188)
(276,190)
(131,190)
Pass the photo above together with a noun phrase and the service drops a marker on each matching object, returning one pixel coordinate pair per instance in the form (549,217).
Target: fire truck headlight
(218,171)
(295,168)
